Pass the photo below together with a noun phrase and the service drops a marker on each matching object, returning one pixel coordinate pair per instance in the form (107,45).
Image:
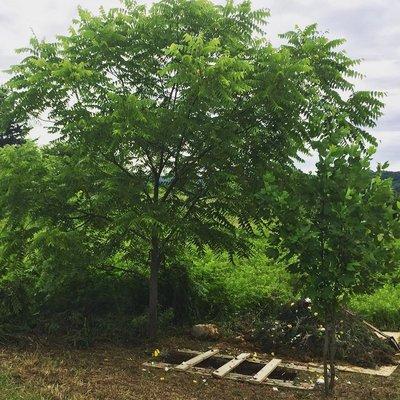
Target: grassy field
(11,390)
(109,372)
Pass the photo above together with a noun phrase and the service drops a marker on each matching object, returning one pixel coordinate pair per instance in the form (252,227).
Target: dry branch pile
(298,331)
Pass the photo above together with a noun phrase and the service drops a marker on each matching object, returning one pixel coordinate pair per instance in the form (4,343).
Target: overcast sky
(371,27)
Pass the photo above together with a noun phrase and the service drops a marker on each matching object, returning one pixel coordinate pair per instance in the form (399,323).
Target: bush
(221,289)
(382,308)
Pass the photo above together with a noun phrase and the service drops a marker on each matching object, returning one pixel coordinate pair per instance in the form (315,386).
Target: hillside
(396,179)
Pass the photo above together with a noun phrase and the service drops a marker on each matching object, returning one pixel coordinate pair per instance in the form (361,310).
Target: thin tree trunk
(326,356)
(332,354)
(155,263)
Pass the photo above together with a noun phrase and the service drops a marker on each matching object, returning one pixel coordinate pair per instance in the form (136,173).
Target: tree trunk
(332,354)
(326,356)
(155,263)
(329,353)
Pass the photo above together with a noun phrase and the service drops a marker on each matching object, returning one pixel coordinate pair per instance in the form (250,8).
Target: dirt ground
(110,372)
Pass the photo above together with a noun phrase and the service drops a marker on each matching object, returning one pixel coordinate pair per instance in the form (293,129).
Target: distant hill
(396,179)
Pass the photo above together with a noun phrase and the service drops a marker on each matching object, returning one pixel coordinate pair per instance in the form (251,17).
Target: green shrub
(382,307)
(223,289)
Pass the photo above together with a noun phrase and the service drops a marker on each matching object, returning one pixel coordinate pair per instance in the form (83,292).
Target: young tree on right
(341,222)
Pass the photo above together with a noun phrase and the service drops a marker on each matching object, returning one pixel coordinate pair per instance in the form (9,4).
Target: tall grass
(382,307)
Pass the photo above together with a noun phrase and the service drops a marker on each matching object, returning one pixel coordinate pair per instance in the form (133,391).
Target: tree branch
(178,176)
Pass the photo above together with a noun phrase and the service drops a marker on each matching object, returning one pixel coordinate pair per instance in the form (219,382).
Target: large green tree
(175,112)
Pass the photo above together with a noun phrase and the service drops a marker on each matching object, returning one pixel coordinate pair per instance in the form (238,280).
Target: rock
(205,331)
(320,381)
(239,339)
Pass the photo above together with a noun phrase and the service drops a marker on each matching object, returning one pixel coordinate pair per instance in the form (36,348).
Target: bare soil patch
(110,372)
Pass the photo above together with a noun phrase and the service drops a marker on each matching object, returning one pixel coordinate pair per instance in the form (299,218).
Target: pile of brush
(298,332)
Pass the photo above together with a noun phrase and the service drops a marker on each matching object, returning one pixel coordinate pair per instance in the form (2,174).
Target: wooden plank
(289,365)
(272,382)
(395,335)
(263,373)
(234,376)
(394,338)
(302,367)
(194,352)
(385,370)
(230,365)
(196,360)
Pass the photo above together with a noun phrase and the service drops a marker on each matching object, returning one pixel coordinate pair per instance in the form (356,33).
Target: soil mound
(298,331)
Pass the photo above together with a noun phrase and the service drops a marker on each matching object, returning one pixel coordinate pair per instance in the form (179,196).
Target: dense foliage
(12,131)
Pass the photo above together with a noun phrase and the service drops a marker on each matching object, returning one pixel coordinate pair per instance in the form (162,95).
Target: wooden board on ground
(395,335)
(230,365)
(196,360)
(234,376)
(262,375)
(385,370)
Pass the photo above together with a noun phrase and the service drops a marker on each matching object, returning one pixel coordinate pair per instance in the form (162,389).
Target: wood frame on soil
(385,370)
(233,376)
(228,374)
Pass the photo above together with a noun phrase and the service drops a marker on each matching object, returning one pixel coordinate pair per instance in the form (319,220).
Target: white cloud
(46,18)
(389,149)
(373,33)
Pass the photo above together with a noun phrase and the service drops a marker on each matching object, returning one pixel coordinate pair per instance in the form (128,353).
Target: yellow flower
(156,353)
